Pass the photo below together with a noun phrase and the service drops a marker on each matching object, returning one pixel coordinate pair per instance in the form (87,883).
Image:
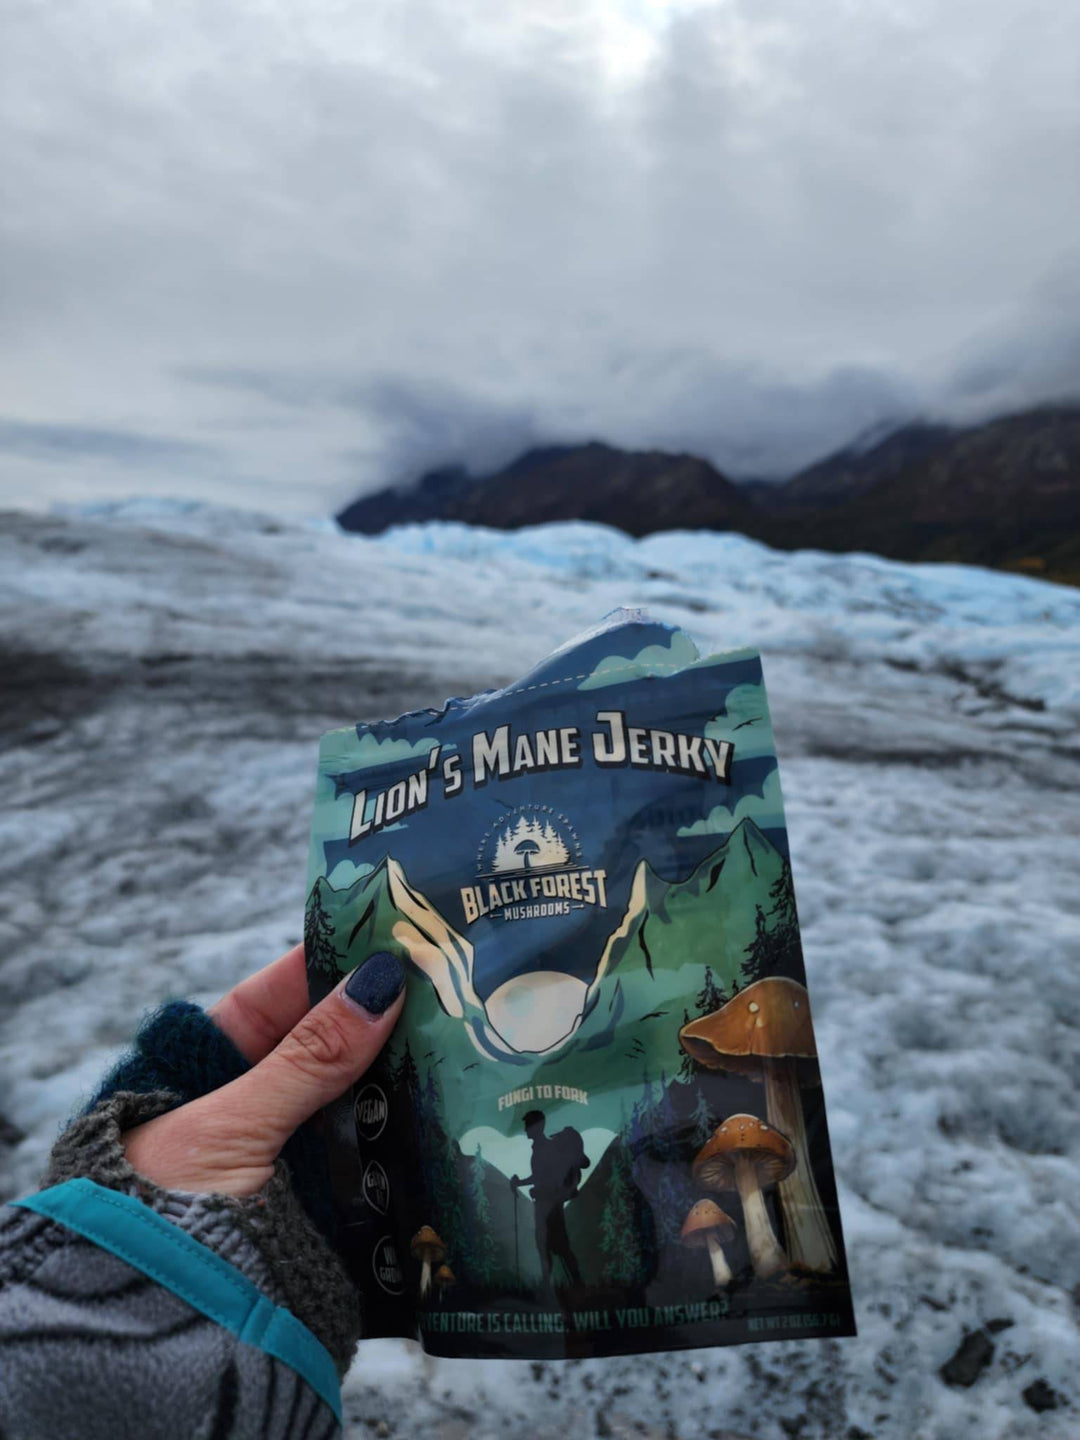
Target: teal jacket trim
(145,1239)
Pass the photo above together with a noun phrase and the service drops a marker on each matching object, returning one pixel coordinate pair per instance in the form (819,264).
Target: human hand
(226,1142)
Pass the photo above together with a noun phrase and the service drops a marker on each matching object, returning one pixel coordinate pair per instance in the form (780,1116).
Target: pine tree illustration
(440,1169)
(555,851)
(504,858)
(702,1124)
(406,1077)
(619,1244)
(756,961)
(319,948)
(776,948)
(482,1255)
(788,956)
(671,1205)
(666,1122)
(711,997)
(687,1070)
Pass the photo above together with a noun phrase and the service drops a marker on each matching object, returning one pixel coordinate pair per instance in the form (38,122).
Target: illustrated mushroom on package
(599,1126)
(426,1247)
(706,1228)
(746,1155)
(765,1033)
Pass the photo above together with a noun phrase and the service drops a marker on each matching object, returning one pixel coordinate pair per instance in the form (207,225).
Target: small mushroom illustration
(426,1247)
(707,1227)
(747,1155)
(765,1033)
(445,1279)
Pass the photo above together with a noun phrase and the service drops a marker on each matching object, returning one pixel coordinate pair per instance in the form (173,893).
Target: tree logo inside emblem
(530,838)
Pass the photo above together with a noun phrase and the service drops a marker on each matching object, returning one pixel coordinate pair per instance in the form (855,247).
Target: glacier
(168,670)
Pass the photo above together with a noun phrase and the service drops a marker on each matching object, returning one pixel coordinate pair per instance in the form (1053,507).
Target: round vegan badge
(377,1187)
(371,1111)
(387,1267)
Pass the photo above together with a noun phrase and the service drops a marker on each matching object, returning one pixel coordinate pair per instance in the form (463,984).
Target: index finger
(261,1010)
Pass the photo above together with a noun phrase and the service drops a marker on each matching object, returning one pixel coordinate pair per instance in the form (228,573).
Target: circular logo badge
(387,1267)
(528,838)
(377,1187)
(371,1111)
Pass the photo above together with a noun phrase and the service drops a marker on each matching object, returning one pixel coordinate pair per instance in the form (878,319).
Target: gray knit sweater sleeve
(92,1348)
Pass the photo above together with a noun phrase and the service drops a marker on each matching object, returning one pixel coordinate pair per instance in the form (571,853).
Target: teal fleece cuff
(128,1228)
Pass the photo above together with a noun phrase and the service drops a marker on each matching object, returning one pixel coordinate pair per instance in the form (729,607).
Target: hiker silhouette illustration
(557,1163)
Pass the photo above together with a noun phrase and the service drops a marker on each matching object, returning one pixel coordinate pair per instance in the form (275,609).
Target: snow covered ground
(166,673)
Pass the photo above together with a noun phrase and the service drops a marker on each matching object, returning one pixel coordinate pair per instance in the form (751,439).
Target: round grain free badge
(377,1187)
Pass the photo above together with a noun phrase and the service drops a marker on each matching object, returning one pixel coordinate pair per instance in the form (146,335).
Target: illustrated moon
(536,1011)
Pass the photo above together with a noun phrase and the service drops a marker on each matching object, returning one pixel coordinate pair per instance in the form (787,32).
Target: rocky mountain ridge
(1004,494)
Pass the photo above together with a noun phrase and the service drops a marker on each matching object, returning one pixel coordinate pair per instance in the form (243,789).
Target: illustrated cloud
(745,721)
(653,660)
(347,872)
(681,654)
(371,752)
(766,810)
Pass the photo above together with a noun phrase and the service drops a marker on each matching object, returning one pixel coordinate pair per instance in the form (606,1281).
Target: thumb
(326,1052)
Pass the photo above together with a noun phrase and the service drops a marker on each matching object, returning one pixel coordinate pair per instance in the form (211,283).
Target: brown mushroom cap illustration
(765,1033)
(426,1247)
(705,1219)
(445,1277)
(768,1020)
(768,1150)
(706,1228)
(746,1154)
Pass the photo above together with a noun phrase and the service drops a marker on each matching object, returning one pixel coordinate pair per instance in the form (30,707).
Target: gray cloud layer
(299,251)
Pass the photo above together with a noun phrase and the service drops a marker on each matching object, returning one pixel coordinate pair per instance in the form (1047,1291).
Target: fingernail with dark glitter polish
(377,983)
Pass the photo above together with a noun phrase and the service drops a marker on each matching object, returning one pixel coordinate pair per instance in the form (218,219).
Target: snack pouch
(599,1126)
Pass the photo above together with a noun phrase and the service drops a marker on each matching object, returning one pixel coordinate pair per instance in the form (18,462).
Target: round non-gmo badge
(377,1187)
(387,1267)
(371,1111)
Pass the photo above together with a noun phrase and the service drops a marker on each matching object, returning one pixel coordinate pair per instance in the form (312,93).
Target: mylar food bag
(599,1126)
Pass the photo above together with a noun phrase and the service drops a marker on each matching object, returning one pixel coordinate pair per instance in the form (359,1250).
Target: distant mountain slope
(429,499)
(637,491)
(859,468)
(1004,494)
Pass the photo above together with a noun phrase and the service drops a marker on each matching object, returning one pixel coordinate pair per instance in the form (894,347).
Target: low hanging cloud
(64,443)
(766,810)
(322,253)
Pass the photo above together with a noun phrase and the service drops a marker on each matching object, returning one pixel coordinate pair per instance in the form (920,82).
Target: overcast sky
(282,253)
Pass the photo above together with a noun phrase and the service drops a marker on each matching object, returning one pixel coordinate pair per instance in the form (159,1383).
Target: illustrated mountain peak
(709,919)
(673,931)
(749,839)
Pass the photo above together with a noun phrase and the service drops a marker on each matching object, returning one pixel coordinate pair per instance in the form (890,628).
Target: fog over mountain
(282,256)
